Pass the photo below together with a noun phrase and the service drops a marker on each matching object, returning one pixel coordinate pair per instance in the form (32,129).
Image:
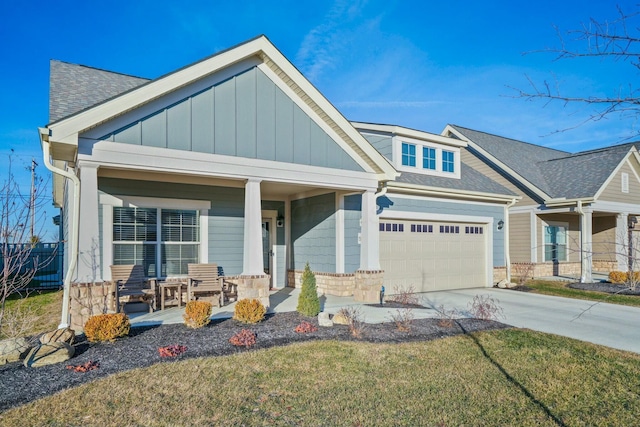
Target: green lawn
(507,377)
(560,289)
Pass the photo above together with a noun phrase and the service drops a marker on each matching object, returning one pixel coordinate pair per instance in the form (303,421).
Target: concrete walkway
(611,325)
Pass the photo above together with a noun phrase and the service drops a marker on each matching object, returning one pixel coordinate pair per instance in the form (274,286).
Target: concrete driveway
(611,325)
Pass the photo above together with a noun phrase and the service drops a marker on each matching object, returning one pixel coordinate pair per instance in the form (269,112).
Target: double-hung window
(555,243)
(448,161)
(408,154)
(429,158)
(152,236)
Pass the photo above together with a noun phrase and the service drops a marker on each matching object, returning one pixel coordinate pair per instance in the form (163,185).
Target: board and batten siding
(313,233)
(225,218)
(473,161)
(613,191)
(352,215)
(246,116)
(520,237)
(391,203)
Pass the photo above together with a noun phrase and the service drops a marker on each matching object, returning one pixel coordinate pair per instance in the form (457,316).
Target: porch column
(252,262)
(622,241)
(89,268)
(369,233)
(586,237)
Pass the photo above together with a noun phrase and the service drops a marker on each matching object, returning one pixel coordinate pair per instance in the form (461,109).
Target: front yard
(560,289)
(502,377)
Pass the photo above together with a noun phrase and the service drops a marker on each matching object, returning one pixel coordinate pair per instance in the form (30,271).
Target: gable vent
(625,182)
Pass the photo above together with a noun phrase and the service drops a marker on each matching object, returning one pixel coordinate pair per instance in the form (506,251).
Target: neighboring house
(238,160)
(577,211)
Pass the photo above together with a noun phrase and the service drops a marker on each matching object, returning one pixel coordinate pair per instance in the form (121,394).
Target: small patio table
(171,291)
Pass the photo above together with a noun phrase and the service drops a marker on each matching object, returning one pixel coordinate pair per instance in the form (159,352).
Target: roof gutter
(435,191)
(73,260)
(566,202)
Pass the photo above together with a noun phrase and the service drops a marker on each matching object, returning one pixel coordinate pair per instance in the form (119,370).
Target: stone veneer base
(89,299)
(252,287)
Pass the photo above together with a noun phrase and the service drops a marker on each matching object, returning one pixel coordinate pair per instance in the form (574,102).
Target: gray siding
(391,203)
(226,216)
(246,116)
(352,215)
(313,233)
(382,143)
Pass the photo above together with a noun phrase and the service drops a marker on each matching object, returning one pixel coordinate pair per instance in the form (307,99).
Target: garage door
(433,255)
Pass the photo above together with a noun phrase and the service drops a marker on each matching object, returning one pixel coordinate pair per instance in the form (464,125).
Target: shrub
(85,367)
(197,314)
(244,338)
(305,328)
(249,311)
(403,318)
(405,296)
(356,320)
(617,277)
(484,307)
(172,350)
(107,327)
(308,301)
(446,317)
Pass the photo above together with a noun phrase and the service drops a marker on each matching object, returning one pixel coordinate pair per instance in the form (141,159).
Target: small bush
(404,296)
(447,317)
(356,320)
(305,328)
(249,311)
(617,277)
(107,327)
(484,307)
(197,314)
(403,318)
(172,350)
(308,301)
(244,338)
(85,367)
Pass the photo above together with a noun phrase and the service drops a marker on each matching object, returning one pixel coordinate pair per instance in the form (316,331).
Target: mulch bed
(20,385)
(610,288)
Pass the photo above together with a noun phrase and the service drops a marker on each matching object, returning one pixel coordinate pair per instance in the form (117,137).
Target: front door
(267,247)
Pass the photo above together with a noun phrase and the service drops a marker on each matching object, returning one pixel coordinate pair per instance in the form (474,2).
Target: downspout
(507,255)
(383,191)
(73,260)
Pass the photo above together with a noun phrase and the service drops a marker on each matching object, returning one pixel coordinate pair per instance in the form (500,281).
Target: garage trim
(425,216)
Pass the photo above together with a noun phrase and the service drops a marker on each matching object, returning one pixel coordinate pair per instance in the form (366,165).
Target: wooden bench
(133,286)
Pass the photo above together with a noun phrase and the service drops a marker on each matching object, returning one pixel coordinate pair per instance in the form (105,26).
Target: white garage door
(433,255)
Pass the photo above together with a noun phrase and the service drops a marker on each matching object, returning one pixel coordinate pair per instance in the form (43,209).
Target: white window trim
(543,231)
(108,202)
(419,144)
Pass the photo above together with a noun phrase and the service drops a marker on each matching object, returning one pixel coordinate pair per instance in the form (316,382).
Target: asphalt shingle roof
(74,88)
(470,180)
(557,173)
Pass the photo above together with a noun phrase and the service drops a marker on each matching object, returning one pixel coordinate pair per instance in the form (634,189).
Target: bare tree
(617,40)
(17,241)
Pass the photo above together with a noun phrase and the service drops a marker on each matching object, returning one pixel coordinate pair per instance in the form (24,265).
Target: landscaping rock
(49,354)
(324,319)
(67,335)
(13,350)
(502,284)
(340,319)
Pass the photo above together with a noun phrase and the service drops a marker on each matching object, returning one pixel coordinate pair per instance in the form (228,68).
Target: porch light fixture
(280,221)
(633,220)
(500,225)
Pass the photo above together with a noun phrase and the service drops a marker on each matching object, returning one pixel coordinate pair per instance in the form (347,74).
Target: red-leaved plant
(305,328)
(244,338)
(88,366)
(172,350)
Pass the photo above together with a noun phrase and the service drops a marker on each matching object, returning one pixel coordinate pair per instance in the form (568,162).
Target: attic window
(625,182)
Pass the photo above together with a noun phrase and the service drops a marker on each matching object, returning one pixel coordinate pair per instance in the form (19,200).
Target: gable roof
(64,132)
(73,87)
(554,173)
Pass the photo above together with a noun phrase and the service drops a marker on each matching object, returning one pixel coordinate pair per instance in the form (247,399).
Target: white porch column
(622,241)
(89,268)
(252,262)
(586,237)
(369,233)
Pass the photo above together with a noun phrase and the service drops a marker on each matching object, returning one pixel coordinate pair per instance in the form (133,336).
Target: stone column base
(253,287)
(368,285)
(89,299)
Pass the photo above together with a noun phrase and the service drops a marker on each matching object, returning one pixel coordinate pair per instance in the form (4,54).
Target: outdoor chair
(133,286)
(203,280)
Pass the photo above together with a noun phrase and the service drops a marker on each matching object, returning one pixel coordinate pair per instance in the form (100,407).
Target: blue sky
(419,64)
